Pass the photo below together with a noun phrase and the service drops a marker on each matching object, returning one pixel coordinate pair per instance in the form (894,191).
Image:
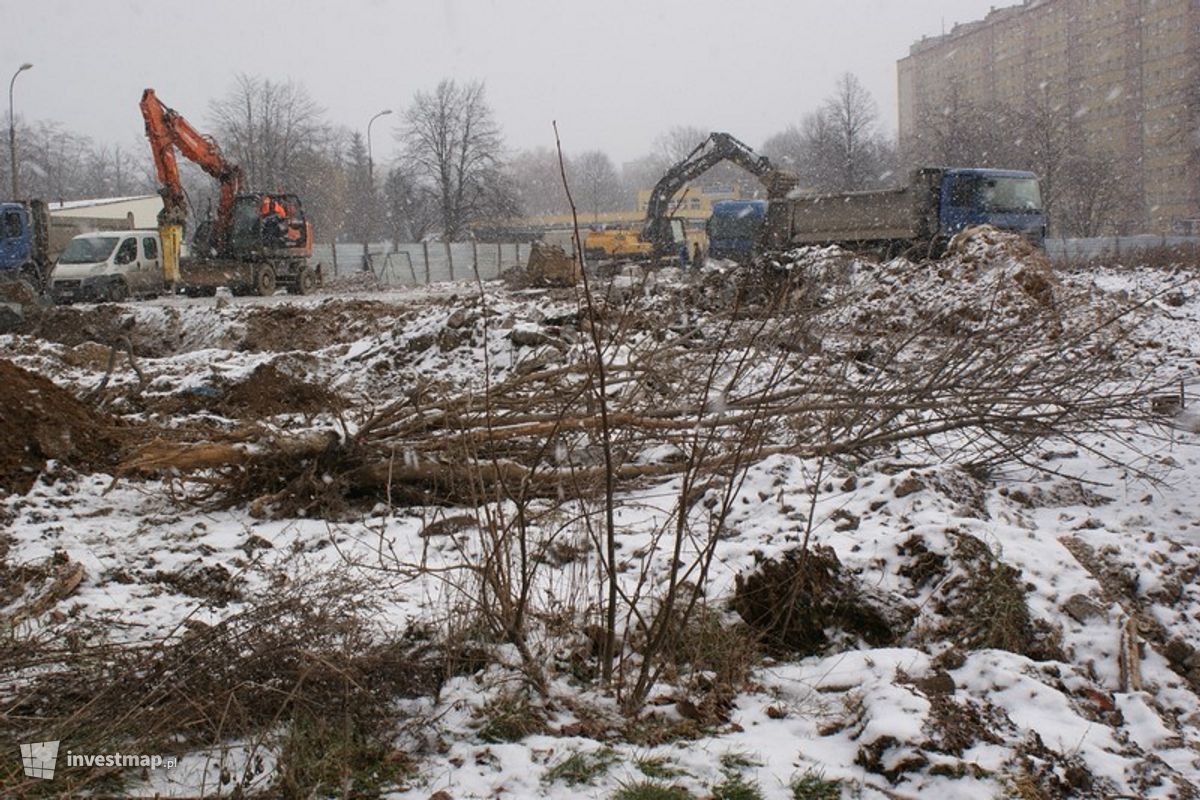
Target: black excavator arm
(716,148)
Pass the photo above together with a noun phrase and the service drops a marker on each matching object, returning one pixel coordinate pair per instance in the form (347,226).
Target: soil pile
(268,392)
(42,422)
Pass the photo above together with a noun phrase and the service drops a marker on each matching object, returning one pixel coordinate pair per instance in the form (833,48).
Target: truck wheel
(264,281)
(117,291)
(305,281)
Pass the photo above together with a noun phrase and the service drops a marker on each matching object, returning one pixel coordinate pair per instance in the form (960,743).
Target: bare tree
(265,127)
(678,142)
(452,141)
(810,151)
(952,130)
(837,147)
(321,175)
(599,184)
(538,186)
(852,115)
(410,209)
(1092,198)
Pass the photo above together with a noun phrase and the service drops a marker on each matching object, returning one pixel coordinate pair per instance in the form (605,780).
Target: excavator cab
(267,225)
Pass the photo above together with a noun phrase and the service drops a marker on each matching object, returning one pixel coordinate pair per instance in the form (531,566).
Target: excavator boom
(716,148)
(167,131)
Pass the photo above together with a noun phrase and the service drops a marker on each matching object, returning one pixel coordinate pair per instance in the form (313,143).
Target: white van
(109,265)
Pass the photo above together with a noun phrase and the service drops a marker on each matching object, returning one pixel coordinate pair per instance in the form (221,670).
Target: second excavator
(256,242)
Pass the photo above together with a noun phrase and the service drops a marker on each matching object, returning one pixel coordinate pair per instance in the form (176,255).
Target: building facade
(1126,74)
(141,211)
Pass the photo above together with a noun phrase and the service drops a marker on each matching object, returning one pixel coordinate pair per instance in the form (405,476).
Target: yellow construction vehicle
(615,243)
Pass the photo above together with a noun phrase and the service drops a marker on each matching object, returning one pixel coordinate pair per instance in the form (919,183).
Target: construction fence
(417,263)
(1118,247)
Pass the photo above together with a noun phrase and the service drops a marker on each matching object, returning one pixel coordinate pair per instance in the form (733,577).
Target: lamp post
(370,161)
(12,127)
(371,179)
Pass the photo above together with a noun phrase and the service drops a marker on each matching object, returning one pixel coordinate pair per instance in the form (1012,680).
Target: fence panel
(405,264)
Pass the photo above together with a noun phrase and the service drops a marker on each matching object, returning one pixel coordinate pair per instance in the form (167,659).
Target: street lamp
(371,179)
(12,127)
(370,162)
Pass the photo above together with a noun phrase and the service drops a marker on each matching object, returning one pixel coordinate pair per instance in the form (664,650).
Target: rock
(551,266)
(939,683)
(1177,651)
(845,520)
(910,485)
(420,343)
(461,318)
(11,317)
(529,336)
(1082,608)
(451,338)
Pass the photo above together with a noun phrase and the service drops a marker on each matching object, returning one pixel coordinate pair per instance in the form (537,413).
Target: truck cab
(109,265)
(1006,199)
(734,227)
(19,256)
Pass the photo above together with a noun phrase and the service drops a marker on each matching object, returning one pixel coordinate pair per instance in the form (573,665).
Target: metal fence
(1113,247)
(422,262)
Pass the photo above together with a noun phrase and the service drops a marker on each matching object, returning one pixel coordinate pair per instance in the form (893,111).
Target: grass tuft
(658,767)
(650,790)
(581,768)
(812,785)
(735,787)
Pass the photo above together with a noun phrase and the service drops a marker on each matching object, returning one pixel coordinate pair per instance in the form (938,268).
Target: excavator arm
(716,148)
(168,131)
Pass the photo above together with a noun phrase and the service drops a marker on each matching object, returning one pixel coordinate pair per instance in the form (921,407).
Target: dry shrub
(708,660)
(307,652)
(794,601)
(510,717)
(983,603)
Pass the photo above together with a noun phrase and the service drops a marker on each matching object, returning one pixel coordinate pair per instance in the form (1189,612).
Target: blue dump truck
(917,219)
(25,252)
(734,228)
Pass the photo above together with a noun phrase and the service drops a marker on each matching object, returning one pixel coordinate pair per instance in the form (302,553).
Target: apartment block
(1126,71)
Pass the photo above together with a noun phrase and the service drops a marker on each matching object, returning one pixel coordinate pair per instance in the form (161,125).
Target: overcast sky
(614,73)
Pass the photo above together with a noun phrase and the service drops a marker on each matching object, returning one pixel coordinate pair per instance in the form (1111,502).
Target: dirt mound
(42,422)
(286,327)
(268,392)
(798,601)
(72,326)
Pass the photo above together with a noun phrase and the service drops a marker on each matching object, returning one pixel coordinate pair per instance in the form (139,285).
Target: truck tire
(264,281)
(306,281)
(117,291)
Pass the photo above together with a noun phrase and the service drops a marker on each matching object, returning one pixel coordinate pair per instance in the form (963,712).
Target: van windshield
(88,250)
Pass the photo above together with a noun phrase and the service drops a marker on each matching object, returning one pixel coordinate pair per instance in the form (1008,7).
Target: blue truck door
(14,238)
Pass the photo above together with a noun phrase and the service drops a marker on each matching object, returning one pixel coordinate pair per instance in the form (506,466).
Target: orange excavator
(256,242)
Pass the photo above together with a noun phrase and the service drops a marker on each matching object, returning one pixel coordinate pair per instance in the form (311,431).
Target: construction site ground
(275,487)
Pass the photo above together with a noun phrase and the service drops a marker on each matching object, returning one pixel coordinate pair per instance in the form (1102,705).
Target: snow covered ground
(1086,559)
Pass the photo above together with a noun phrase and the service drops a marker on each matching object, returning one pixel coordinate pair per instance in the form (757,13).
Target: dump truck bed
(886,215)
